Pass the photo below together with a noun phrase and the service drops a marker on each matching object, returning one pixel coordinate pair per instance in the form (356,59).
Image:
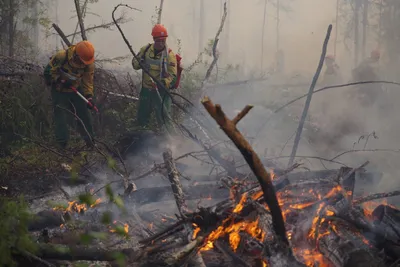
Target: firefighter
(368,70)
(162,64)
(332,73)
(73,67)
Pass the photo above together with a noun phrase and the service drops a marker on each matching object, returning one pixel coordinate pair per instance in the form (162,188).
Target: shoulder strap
(145,51)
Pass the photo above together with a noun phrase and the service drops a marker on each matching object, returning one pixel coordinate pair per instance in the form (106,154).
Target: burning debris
(283,220)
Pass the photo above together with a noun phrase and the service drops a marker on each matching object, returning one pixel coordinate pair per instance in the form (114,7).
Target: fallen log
(344,253)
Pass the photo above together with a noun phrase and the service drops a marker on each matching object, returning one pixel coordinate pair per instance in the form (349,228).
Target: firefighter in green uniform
(162,64)
(73,67)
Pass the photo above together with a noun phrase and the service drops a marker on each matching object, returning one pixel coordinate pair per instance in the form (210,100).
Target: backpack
(178,67)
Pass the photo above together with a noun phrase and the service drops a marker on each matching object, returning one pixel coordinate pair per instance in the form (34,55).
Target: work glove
(90,104)
(66,83)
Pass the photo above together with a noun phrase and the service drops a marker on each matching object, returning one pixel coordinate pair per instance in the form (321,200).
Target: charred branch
(263,177)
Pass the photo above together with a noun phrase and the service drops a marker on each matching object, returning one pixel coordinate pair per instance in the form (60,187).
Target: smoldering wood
(387,220)
(173,176)
(226,250)
(343,253)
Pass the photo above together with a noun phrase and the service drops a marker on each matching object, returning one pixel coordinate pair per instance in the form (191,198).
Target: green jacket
(77,75)
(154,64)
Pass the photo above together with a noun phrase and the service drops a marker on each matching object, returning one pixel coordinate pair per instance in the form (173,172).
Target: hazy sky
(302,30)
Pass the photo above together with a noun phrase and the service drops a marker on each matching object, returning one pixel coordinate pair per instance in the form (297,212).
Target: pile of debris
(269,219)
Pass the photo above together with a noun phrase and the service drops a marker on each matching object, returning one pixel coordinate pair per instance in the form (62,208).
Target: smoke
(335,122)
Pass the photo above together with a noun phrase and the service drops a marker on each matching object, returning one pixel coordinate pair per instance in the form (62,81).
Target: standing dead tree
(160,11)
(80,19)
(309,96)
(214,48)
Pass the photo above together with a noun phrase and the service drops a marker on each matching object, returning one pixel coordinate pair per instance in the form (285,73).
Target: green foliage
(14,235)
(120,259)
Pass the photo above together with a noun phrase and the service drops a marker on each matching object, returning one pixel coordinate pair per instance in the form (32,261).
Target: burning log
(344,253)
(235,259)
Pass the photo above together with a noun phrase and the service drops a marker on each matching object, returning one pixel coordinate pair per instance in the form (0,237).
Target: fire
(97,202)
(195,231)
(74,206)
(233,231)
(234,240)
(310,257)
(239,206)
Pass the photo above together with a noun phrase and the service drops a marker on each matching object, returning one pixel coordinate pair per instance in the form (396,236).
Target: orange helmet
(376,54)
(159,31)
(85,51)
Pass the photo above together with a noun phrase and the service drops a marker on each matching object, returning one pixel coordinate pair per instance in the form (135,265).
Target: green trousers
(149,100)
(64,102)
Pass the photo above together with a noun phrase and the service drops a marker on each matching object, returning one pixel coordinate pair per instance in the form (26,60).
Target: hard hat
(85,52)
(375,54)
(159,31)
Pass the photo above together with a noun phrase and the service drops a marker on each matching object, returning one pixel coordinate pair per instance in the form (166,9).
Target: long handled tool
(73,78)
(85,99)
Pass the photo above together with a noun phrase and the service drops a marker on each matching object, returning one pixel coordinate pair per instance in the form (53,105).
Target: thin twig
(365,150)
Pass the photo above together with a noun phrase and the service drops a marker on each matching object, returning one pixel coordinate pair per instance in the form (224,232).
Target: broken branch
(263,177)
